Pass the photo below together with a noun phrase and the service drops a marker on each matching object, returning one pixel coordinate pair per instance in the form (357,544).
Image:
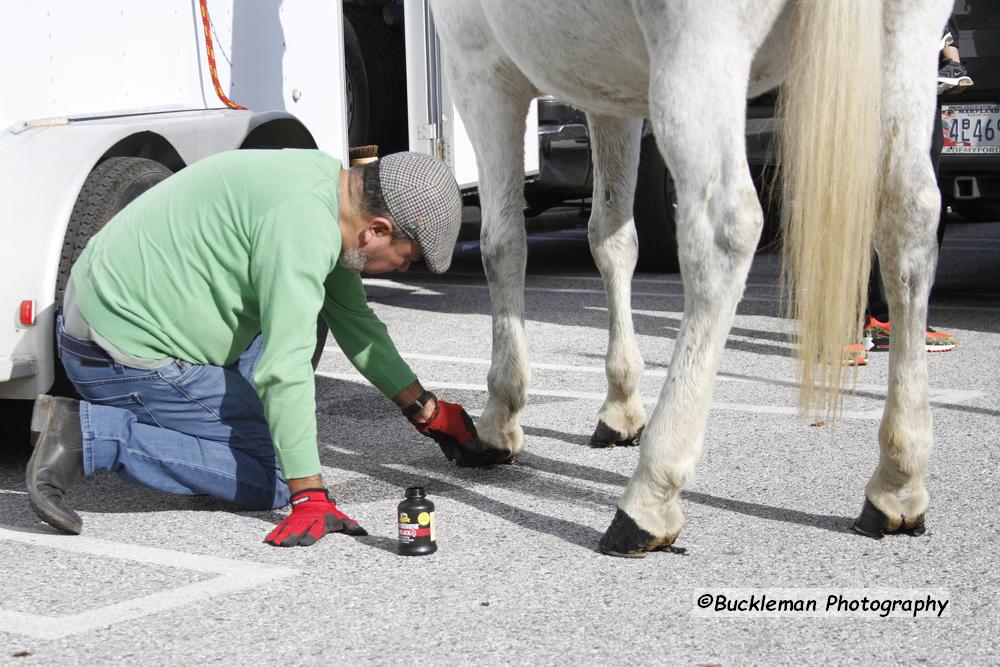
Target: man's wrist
(418,406)
(408,394)
(426,413)
(297,484)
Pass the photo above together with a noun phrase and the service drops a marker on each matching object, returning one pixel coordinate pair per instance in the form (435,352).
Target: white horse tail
(830,154)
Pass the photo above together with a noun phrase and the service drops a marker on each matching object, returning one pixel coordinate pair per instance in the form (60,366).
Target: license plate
(971,129)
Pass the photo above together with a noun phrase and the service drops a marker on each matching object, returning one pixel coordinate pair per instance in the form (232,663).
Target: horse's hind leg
(614,246)
(700,134)
(905,238)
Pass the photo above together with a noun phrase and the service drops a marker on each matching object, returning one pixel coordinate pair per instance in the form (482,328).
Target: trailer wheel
(109,188)
(654,211)
(376,82)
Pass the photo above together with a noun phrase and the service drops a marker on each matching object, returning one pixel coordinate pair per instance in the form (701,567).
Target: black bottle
(416,524)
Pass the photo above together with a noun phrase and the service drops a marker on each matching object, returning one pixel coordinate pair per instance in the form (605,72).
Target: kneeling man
(190,322)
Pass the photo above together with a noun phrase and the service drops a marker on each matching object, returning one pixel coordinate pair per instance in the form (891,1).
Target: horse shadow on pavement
(362,434)
(382,454)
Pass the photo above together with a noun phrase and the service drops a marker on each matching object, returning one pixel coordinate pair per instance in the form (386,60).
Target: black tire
(376,82)
(109,188)
(277,135)
(654,211)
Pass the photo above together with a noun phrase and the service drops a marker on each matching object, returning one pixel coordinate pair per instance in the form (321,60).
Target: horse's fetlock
(896,497)
(499,428)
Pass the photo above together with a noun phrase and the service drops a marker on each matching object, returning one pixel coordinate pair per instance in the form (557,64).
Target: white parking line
(573,368)
(939,396)
(554,290)
(403,287)
(424,289)
(665,280)
(873,414)
(234,575)
(486,362)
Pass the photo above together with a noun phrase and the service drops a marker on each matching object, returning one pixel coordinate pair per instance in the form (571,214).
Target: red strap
(211,58)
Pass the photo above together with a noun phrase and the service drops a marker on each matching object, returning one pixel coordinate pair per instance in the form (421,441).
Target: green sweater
(237,244)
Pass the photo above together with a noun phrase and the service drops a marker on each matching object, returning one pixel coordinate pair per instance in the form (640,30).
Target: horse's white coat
(688,66)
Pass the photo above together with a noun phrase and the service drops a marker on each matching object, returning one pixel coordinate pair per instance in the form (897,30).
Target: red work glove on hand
(452,429)
(314,514)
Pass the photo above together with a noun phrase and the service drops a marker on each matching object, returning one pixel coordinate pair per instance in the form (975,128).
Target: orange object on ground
(879,333)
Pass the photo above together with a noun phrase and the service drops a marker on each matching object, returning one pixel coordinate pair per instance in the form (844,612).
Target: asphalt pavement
(165,580)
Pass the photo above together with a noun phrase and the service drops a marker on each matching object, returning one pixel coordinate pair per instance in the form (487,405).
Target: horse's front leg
(494,110)
(614,246)
(905,237)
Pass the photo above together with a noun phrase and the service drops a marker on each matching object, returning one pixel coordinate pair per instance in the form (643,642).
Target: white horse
(858,84)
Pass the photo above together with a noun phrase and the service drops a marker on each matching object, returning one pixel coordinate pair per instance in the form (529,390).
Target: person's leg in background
(877,328)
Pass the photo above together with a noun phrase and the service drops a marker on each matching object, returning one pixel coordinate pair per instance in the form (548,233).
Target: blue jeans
(184,428)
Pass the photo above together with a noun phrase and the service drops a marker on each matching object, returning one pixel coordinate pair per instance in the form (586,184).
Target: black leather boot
(57,462)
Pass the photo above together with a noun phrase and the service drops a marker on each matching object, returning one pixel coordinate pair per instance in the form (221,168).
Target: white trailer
(103,99)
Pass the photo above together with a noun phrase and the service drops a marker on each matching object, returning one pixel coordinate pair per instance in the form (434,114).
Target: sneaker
(876,335)
(953,78)
(855,354)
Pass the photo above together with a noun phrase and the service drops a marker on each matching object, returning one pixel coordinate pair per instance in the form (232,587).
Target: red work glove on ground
(314,514)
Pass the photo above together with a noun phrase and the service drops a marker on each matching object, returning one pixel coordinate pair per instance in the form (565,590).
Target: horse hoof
(626,539)
(605,436)
(484,458)
(486,462)
(874,524)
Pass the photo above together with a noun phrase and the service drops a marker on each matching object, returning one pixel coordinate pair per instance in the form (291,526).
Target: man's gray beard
(353,260)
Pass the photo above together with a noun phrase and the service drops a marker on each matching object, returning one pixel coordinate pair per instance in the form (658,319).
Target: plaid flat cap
(424,200)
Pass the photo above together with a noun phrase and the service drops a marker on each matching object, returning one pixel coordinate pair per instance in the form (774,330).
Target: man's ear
(377,228)
(381,226)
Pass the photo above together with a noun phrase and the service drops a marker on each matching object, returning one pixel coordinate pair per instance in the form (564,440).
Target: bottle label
(426,521)
(417,530)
